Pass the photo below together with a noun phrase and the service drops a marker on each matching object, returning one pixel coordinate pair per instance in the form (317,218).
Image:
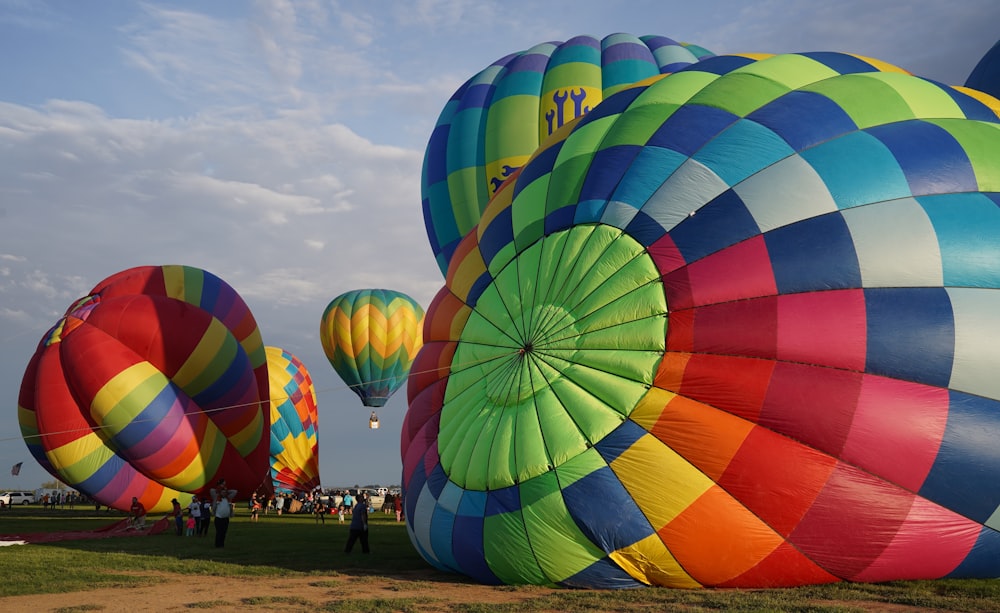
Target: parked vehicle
(9,498)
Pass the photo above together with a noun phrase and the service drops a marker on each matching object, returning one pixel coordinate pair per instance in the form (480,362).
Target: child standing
(191,524)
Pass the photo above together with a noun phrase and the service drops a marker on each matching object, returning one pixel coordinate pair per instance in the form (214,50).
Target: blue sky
(278,144)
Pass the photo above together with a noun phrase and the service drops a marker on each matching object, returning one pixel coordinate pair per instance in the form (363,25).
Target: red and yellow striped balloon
(149,387)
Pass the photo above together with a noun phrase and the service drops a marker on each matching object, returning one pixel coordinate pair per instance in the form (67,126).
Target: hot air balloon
(150,386)
(735,328)
(370,337)
(500,116)
(294,423)
(985,76)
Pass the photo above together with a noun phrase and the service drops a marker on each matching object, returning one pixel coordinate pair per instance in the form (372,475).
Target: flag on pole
(16,469)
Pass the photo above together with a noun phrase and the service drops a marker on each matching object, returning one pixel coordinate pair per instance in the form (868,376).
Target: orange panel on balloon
(704,436)
(716,538)
(671,372)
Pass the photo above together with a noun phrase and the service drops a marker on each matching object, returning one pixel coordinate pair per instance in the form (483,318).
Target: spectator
(178,516)
(222,509)
(137,515)
(359,525)
(194,515)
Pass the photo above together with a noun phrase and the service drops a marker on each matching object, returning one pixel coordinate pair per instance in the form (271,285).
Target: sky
(278,144)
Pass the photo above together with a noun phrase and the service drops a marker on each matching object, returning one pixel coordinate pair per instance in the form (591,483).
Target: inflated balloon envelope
(732,328)
(497,119)
(294,419)
(152,386)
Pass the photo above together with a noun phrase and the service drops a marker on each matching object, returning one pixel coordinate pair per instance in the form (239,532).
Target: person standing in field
(222,499)
(194,513)
(254,508)
(206,515)
(359,525)
(178,515)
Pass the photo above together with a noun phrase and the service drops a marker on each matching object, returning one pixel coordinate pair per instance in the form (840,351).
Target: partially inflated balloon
(500,116)
(370,337)
(985,76)
(737,328)
(294,423)
(150,386)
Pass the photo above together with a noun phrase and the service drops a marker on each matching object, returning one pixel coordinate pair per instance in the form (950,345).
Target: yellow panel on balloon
(663,496)
(650,561)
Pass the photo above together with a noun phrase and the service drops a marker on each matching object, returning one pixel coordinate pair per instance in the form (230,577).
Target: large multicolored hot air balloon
(150,386)
(500,116)
(294,423)
(736,328)
(370,337)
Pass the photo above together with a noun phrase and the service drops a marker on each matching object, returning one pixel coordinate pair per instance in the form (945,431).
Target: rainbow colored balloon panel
(149,387)
(734,328)
(294,423)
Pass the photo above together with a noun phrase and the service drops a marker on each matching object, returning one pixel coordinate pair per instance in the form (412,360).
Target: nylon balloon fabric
(496,120)
(731,328)
(370,337)
(294,423)
(149,387)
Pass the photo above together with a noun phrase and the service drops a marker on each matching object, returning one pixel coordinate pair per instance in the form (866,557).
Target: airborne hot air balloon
(370,337)
(294,423)
(500,116)
(735,328)
(150,386)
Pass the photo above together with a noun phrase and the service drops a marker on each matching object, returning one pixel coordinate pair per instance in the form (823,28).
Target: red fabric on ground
(119,528)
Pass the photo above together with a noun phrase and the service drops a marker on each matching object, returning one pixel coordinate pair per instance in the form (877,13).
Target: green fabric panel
(502,258)
(466,191)
(868,102)
(472,424)
(579,467)
(981,142)
(560,548)
(530,454)
(625,337)
(529,215)
(572,74)
(562,436)
(636,126)
(792,71)
(585,139)
(477,450)
(511,127)
(194,282)
(611,266)
(508,552)
(551,250)
(609,388)
(925,99)
(501,470)
(584,245)
(675,90)
(740,94)
(593,418)
(566,180)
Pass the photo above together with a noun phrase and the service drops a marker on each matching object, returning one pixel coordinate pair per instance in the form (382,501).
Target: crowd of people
(195,519)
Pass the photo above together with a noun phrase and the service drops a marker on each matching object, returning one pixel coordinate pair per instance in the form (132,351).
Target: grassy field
(294,546)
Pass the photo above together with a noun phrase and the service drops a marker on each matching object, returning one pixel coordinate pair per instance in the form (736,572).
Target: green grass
(295,546)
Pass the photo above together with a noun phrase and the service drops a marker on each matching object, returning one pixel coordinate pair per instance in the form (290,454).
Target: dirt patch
(422,590)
